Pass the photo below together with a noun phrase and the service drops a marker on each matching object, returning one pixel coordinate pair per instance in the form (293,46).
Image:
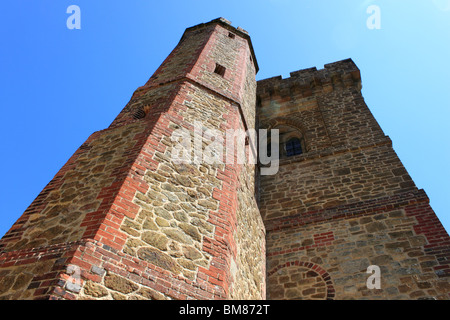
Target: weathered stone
(162,222)
(6,283)
(119,283)
(307,242)
(443,286)
(343,171)
(184,181)
(204,190)
(163,213)
(134,243)
(177,235)
(191,231)
(417,241)
(154,176)
(292,293)
(118,296)
(42,267)
(173,197)
(150,294)
(187,169)
(188,264)
(311,274)
(381,260)
(208,204)
(187,207)
(400,234)
(22,281)
(130,227)
(171,207)
(365,220)
(95,290)
(52,233)
(191,193)
(70,218)
(375,227)
(153,195)
(155,239)
(190,275)
(308,291)
(149,225)
(136,297)
(353,266)
(146,214)
(201,224)
(181,216)
(191,253)
(170,187)
(396,214)
(159,259)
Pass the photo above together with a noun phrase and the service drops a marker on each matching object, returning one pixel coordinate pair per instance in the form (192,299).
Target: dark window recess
(220,70)
(231,35)
(293,147)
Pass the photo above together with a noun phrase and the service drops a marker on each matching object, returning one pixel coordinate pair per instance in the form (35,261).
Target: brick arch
(290,122)
(313,267)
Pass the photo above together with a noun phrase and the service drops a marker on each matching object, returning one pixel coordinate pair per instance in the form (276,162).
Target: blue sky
(58,86)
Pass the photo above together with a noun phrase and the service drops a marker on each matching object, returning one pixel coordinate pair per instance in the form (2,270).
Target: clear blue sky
(58,86)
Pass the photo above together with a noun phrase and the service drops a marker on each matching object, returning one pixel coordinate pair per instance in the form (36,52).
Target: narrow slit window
(220,70)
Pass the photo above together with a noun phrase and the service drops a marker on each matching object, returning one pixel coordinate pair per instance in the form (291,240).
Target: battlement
(344,71)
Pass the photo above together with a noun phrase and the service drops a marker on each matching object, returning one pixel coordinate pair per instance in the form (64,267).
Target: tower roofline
(346,66)
(227,25)
(345,70)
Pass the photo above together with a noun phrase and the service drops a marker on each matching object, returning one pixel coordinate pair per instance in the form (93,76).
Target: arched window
(293,147)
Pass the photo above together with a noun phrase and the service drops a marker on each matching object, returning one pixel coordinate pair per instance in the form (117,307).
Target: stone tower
(342,201)
(120,220)
(123,220)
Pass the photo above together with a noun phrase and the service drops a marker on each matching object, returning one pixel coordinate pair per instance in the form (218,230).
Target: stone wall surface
(351,175)
(347,202)
(68,207)
(341,250)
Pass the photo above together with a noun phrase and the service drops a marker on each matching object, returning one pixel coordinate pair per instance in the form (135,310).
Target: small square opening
(231,35)
(220,70)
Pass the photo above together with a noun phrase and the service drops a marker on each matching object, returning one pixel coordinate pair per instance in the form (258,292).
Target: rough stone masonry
(121,220)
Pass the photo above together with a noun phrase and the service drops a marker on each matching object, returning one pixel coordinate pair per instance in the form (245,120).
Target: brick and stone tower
(342,200)
(121,220)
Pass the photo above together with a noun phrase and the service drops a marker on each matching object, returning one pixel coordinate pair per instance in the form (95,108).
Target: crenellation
(339,74)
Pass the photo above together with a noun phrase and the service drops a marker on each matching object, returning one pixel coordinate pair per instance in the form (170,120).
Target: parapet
(344,72)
